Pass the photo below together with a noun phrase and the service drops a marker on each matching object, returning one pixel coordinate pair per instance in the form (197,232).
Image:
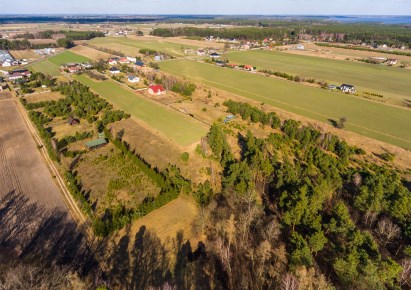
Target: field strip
(284,103)
(67,197)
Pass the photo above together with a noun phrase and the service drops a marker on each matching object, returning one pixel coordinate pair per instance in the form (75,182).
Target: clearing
(372,119)
(181,129)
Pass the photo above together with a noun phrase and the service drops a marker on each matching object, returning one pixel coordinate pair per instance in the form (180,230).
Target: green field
(171,48)
(46,67)
(67,57)
(388,81)
(376,120)
(183,130)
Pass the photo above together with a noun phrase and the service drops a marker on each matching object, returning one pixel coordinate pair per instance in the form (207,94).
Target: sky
(245,7)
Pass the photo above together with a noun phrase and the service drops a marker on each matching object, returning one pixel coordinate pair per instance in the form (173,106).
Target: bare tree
(405,277)
(387,231)
(370,218)
(289,282)
(357,179)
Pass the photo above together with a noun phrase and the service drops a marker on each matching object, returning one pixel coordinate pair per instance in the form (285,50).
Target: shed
(96,143)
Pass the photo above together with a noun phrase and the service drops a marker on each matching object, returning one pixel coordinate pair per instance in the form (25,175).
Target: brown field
(61,128)
(27,188)
(42,41)
(89,52)
(39,97)
(5,95)
(311,49)
(128,50)
(180,40)
(24,54)
(166,221)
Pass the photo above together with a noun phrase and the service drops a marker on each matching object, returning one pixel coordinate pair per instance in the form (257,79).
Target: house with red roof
(248,67)
(156,90)
(123,60)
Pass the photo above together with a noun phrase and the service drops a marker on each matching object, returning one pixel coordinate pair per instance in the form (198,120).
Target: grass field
(126,49)
(388,81)
(66,57)
(91,53)
(382,122)
(171,48)
(172,124)
(46,67)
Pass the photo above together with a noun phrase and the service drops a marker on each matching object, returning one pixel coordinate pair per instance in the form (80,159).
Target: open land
(372,119)
(181,129)
(171,48)
(90,53)
(46,67)
(66,57)
(388,81)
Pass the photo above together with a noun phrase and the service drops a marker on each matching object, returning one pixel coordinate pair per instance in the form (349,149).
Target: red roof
(157,88)
(247,66)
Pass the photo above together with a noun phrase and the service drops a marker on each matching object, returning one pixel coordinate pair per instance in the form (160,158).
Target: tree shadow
(333,122)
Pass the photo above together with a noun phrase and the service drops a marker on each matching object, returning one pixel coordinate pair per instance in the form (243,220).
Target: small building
(114,70)
(156,90)
(248,67)
(19,74)
(86,65)
(158,58)
(133,79)
(113,61)
(6,64)
(229,118)
(139,63)
(201,52)
(131,59)
(73,121)
(97,143)
(392,61)
(348,89)
(74,69)
(300,47)
(214,55)
(232,65)
(332,87)
(123,60)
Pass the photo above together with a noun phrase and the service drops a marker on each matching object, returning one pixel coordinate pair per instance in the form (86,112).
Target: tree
(65,42)
(387,231)
(341,122)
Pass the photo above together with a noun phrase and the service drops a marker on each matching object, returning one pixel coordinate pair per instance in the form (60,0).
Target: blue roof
(140,63)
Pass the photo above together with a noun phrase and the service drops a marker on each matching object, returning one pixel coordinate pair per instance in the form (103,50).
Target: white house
(300,47)
(133,79)
(348,89)
(114,70)
(201,52)
(131,59)
(6,64)
(112,61)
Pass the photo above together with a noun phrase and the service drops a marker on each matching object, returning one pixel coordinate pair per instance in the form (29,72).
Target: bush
(185,156)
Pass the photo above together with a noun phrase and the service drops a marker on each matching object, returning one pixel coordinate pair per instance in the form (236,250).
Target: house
(214,55)
(156,90)
(229,118)
(114,70)
(300,47)
(93,144)
(232,65)
(131,59)
(133,79)
(73,121)
(19,74)
(86,65)
(158,58)
(348,89)
(220,63)
(14,63)
(245,47)
(74,69)
(113,61)
(332,87)
(248,67)
(201,52)
(6,64)
(139,63)
(123,60)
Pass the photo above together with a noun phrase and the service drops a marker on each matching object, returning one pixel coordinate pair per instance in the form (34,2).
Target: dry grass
(5,95)
(39,97)
(127,50)
(61,128)
(91,53)
(24,54)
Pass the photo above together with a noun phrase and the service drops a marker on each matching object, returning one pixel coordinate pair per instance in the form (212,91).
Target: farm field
(127,50)
(183,130)
(378,121)
(171,48)
(26,185)
(21,54)
(46,67)
(388,81)
(66,57)
(89,52)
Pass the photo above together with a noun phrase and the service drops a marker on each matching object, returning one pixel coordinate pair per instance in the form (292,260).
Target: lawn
(171,48)
(46,67)
(373,119)
(388,81)
(66,57)
(180,128)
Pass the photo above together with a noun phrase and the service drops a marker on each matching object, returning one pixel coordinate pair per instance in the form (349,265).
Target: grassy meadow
(66,57)
(183,130)
(372,119)
(171,48)
(46,67)
(388,81)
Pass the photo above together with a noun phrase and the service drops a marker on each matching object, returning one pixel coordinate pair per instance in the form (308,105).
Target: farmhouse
(156,90)
(201,52)
(248,67)
(113,61)
(19,74)
(86,65)
(114,70)
(348,89)
(123,60)
(131,59)
(133,79)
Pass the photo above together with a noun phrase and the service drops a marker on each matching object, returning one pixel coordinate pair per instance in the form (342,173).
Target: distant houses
(350,89)
(113,61)
(19,74)
(75,67)
(156,90)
